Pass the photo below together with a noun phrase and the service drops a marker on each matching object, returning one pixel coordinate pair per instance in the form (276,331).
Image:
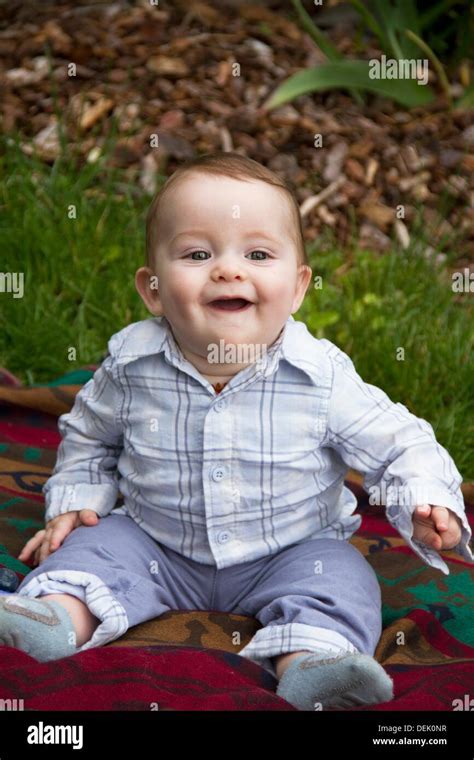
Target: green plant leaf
(430,16)
(372,23)
(347,75)
(434,60)
(323,42)
(392,18)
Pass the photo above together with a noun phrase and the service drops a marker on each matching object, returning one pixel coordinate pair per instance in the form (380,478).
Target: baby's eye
(258,251)
(202,258)
(192,254)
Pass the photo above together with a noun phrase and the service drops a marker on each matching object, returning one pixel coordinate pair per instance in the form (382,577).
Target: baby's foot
(313,681)
(43,629)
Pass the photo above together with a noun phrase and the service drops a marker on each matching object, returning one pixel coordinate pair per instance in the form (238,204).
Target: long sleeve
(85,473)
(397,453)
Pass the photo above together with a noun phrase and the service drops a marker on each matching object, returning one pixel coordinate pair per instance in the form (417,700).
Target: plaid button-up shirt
(228,477)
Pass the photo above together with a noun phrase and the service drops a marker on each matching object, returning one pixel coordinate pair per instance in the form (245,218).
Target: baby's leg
(102,580)
(282,662)
(319,603)
(47,627)
(84,621)
(43,629)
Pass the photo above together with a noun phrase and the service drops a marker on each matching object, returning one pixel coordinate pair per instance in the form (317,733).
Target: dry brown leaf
(382,216)
(92,114)
(167,67)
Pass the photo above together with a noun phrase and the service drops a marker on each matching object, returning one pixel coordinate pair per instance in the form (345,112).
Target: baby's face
(223,238)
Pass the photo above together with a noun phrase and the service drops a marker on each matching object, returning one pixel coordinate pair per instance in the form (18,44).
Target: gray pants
(319,594)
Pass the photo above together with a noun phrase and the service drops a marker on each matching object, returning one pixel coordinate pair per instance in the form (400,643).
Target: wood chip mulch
(169,70)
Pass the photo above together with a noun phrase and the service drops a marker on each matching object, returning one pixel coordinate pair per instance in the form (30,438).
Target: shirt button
(218,473)
(220,405)
(223,536)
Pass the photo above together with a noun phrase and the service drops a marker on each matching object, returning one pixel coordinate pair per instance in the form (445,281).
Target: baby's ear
(147,285)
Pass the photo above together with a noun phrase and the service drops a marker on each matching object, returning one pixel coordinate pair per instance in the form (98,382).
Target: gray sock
(42,628)
(317,681)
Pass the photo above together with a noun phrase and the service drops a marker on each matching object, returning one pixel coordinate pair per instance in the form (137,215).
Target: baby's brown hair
(224,164)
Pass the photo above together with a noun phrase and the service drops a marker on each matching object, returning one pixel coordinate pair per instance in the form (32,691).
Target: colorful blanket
(188,660)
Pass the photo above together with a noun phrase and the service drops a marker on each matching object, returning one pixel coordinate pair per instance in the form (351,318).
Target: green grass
(79,290)
(400,301)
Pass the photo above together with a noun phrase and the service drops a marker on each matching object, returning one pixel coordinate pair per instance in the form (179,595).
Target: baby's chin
(233,334)
(199,335)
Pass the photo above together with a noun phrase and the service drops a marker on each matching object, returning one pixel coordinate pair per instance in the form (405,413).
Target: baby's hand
(46,541)
(437,527)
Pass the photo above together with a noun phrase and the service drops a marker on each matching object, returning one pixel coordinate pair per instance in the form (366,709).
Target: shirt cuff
(400,517)
(100,497)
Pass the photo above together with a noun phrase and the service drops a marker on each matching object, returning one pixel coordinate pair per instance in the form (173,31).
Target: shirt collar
(294,344)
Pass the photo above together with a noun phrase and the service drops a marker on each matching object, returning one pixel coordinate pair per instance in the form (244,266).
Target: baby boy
(228,430)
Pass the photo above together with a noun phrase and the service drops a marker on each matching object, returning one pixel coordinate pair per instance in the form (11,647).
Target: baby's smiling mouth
(230,304)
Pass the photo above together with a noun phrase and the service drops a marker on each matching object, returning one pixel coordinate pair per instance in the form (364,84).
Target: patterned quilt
(188,660)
